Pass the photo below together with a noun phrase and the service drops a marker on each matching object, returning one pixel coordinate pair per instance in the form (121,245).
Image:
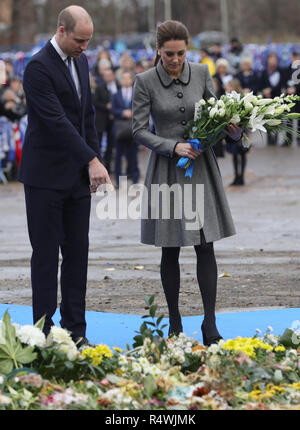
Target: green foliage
(151,329)
(52,363)
(12,354)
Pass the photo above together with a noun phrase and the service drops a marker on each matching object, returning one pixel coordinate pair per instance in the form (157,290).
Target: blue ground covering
(119,329)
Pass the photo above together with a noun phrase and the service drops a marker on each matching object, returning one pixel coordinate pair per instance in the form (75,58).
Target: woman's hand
(234,132)
(187,150)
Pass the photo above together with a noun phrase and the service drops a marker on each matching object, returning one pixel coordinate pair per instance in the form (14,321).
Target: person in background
(220,79)
(222,76)
(126,64)
(234,54)
(102,66)
(247,77)
(272,84)
(206,59)
(9,70)
(102,101)
(125,145)
(12,102)
(102,55)
(293,88)
(237,150)
(216,52)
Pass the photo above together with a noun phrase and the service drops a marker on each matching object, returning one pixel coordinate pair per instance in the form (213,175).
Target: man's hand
(234,132)
(187,150)
(98,175)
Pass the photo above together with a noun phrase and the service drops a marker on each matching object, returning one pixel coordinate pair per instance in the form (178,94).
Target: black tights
(239,164)
(207,280)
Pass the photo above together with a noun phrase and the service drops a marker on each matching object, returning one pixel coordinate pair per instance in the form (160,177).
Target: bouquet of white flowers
(247,111)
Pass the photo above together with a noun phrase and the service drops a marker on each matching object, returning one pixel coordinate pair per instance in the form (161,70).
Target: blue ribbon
(183,160)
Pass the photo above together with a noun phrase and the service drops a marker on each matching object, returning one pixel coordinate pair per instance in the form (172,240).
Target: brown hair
(170,30)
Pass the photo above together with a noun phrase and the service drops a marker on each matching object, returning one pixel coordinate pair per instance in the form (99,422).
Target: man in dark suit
(272,83)
(102,101)
(293,88)
(60,167)
(125,144)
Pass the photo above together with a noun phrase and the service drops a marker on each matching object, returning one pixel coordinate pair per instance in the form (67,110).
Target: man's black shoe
(82,341)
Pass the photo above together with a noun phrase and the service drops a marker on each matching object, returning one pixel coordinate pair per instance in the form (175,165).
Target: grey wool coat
(175,219)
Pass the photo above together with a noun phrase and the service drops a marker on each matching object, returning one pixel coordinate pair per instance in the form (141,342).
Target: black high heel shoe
(210,340)
(175,329)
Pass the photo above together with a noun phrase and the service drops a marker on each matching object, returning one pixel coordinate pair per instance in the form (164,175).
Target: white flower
(235,119)
(270,110)
(154,370)
(188,350)
(211,101)
(249,98)
(258,330)
(220,104)
(31,335)
(213,348)
(248,105)
(202,102)
(273,121)
(60,335)
(136,367)
(221,112)
(144,361)
(122,359)
(272,339)
(256,122)
(263,102)
(213,112)
(70,350)
(270,328)
(1,379)
(4,400)
(234,95)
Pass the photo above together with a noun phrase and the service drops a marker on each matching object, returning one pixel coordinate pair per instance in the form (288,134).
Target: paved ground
(262,260)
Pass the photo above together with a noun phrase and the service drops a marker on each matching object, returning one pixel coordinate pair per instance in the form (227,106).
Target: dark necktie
(69,60)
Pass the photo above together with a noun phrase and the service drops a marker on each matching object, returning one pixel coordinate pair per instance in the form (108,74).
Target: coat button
(177,82)
(183,122)
(179,95)
(182,109)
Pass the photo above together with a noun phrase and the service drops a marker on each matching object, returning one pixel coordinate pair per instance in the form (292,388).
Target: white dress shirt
(64,58)
(127,94)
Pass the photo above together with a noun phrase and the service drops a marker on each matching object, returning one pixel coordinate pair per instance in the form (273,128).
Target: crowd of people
(111,85)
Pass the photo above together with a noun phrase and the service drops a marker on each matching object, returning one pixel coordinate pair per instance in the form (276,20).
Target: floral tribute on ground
(251,113)
(155,373)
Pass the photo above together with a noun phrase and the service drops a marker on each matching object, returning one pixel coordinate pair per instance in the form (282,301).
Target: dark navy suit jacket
(61,137)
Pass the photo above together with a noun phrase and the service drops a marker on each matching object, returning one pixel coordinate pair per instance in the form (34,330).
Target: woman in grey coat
(177,210)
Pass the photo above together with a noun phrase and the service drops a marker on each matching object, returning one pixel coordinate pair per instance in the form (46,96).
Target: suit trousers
(59,220)
(129,149)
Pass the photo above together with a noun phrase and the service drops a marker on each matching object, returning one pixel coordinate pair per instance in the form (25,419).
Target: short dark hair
(66,19)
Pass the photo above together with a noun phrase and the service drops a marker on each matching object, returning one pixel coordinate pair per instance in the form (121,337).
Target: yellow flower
(246,344)
(115,348)
(97,353)
(279,348)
